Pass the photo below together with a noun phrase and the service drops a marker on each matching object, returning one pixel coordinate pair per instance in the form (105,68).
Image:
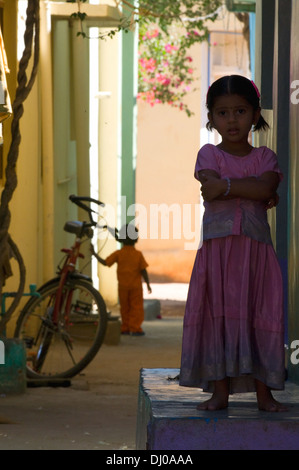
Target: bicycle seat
(78,228)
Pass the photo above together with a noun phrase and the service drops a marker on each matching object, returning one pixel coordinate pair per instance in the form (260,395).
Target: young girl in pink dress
(233,339)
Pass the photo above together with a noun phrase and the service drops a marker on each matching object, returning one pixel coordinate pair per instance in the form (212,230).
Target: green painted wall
(128,122)
(65,168)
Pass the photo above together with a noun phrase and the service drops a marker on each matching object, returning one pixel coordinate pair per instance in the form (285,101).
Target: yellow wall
(25,226)
(34,225)
(10,39)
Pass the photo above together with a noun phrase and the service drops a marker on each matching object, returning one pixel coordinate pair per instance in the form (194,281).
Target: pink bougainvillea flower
(148,64)
(164,69)
(160,77)
(150,97)
(152,34)
(194,32)
(169,48)
(151,67)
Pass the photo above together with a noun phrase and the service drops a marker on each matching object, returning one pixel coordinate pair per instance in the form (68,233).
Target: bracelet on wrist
(228,187)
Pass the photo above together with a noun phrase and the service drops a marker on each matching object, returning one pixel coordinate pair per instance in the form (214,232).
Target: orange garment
(130,263)
(131,309)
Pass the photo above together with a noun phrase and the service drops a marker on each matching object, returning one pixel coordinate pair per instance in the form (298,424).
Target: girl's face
(233,117)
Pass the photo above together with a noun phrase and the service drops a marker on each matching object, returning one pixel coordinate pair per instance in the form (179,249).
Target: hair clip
(256,89)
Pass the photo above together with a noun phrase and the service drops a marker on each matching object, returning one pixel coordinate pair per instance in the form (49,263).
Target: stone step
(167,418)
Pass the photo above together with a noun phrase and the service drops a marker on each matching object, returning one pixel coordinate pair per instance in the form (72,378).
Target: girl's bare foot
(219,399)
(213,404)
(265,399)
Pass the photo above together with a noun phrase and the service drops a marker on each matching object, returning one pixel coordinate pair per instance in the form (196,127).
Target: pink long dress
(234,322)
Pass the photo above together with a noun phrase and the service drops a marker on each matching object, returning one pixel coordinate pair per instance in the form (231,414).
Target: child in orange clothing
(131,269)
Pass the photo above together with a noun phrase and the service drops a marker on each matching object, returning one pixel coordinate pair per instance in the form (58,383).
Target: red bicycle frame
(68,267)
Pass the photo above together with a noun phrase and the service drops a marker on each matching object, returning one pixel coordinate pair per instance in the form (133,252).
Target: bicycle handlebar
(78,201)
(113,231)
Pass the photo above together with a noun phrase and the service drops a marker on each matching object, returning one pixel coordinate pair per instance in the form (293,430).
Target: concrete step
(167,418)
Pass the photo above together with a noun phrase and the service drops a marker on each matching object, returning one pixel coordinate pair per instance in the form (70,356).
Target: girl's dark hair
(235,85)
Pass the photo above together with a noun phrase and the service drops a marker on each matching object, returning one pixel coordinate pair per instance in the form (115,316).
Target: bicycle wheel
(62,350)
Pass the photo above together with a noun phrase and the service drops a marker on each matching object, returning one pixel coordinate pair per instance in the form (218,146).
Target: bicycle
(64,325)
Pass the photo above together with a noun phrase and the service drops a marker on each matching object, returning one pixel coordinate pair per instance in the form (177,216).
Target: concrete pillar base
(112,336)
(13,371)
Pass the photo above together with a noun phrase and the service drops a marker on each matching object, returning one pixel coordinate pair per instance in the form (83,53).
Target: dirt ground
(99,410)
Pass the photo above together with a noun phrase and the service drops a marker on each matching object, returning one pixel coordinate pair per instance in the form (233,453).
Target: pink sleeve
(269,162)
(206,160)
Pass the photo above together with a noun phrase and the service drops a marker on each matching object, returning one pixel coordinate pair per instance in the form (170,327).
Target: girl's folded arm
(259,189)
(202,175)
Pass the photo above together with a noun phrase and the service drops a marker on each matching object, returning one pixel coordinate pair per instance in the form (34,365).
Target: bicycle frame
(73,253)
(68,267)
(62,308)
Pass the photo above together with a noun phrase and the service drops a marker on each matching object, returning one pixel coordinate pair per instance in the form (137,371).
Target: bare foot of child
(213,404)
(265,399)
(219,399)
(272,405)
